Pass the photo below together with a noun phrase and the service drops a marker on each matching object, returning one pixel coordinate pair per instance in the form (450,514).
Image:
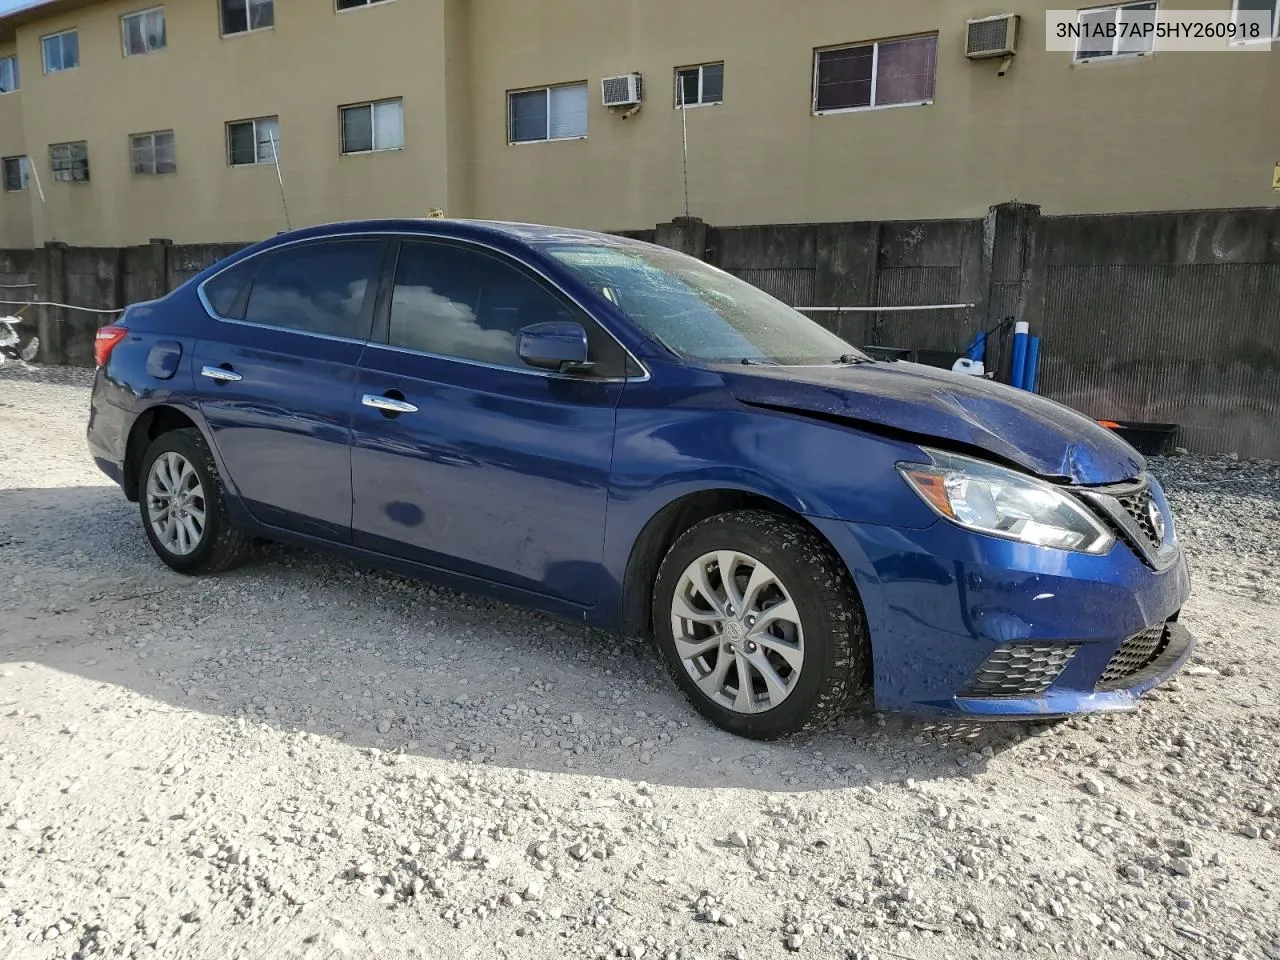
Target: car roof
(436,226)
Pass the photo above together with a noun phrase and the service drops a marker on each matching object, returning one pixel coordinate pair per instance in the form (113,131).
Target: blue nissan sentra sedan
(612,431)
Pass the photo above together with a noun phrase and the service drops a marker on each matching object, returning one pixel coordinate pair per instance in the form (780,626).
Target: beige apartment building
(225,120)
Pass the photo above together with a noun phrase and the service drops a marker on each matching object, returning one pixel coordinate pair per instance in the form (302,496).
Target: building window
(15,170)
(551,113)
(696,86)
(242,16)
(70,162)
(888,73)
(1098,22)
(153,153)
(353,4)
(1270,7)
(373,126)
(9,80)
(253,141)
(61,51)
(143,32)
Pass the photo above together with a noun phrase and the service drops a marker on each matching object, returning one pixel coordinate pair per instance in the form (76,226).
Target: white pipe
(284,203)
(684,144)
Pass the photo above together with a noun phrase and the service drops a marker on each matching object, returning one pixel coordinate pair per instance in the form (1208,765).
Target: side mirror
(558,345)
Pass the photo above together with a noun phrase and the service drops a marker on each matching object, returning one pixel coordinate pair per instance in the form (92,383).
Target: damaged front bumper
(969,625)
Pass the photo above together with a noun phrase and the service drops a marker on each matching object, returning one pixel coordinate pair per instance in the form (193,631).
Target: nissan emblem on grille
(1156,519)
(1148,521)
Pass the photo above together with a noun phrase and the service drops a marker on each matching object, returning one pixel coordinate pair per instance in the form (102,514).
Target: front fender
(813,467)
(822,471)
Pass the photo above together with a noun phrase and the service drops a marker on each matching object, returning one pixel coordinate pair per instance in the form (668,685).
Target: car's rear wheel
(180,496)
(760,625)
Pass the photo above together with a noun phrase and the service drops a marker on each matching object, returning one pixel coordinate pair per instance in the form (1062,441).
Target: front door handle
(221,374)
(388,404)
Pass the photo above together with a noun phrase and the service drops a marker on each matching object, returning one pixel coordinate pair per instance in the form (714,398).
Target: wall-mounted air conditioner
(622,91)
(991,37)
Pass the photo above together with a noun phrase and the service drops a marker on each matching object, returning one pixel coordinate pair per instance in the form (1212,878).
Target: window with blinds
(367,127)
(886,73)
(548,113)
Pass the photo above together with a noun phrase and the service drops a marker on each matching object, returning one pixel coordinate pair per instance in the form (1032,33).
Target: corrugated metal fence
(793,285)
(1193,344)
(1167,318)
(1171,317)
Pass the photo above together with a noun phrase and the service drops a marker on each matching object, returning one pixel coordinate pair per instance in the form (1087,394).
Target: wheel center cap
(734,630)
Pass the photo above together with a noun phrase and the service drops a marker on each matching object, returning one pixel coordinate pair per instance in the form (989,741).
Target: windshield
(699,312)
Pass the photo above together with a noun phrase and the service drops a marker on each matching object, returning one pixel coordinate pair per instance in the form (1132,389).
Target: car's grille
(1126,507)
(1134,655)
(1020,670)
(1138,506)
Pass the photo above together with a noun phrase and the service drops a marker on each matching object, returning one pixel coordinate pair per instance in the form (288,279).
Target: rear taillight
(105,341)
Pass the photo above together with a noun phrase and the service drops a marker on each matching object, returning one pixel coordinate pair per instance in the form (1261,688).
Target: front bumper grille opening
(1135,655)
(1017,670)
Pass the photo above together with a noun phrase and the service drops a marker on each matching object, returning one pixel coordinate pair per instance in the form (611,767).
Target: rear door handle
(388,404)
(221,374)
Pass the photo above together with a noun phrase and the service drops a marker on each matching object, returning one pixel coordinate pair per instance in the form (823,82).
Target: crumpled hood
(1039,435)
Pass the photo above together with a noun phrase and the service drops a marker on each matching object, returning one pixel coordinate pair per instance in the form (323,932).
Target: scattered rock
(220,764)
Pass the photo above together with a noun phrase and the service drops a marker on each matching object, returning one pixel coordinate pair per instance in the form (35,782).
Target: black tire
(836,642)
(221,546)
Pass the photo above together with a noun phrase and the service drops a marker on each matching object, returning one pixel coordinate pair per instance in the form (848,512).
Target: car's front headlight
(988,499)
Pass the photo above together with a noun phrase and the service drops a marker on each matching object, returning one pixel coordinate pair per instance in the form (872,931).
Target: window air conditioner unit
(992,37)
(622,91)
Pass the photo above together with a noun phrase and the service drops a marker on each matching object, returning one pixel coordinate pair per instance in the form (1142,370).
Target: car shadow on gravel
(306,641)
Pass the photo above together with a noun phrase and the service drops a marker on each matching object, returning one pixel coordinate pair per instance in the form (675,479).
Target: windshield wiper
(758,362)
(852,358)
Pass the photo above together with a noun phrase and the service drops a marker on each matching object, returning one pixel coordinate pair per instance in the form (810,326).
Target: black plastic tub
(877,352)
(1150,439)
(943,359)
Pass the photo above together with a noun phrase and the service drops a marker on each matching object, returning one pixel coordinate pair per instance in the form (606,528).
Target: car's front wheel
(760,624)
(182,509)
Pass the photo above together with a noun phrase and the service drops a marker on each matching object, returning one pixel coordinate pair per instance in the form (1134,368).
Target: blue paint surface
(537,486)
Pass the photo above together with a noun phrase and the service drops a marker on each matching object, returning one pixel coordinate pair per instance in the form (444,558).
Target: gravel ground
(306,759)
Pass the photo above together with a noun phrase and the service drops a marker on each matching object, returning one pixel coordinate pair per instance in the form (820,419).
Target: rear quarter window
(228,291)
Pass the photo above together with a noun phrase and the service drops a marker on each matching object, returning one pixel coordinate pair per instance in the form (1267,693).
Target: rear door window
(325,288)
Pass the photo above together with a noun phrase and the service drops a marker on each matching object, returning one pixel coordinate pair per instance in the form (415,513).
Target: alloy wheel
(737,631)
(176,504)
